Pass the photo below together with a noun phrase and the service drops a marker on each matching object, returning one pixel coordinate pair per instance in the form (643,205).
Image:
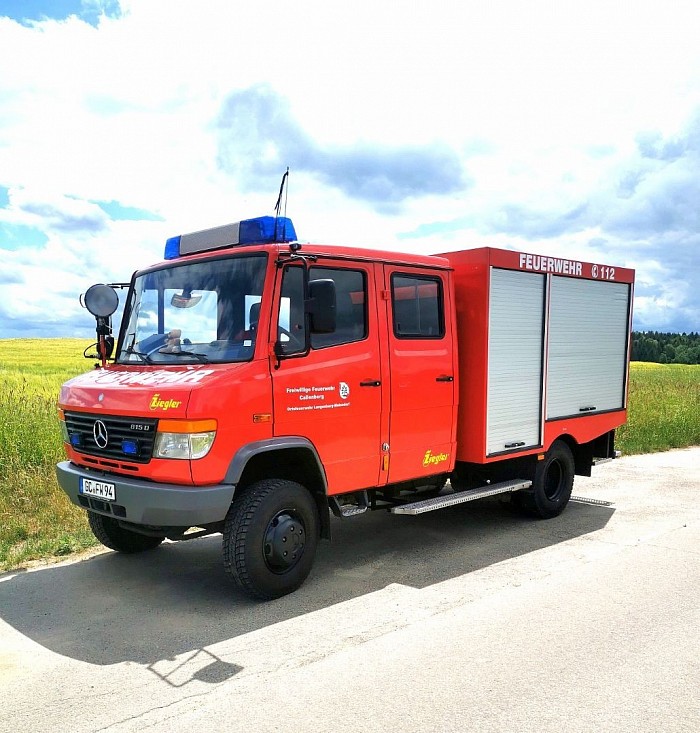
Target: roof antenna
(284,189)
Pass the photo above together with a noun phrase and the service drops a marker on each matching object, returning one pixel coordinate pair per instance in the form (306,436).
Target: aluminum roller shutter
(588,334)
(516,334)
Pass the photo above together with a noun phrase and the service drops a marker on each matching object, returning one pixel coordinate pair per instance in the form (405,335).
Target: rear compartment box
(543,350)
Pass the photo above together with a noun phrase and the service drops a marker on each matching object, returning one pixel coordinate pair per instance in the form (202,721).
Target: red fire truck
(258,385)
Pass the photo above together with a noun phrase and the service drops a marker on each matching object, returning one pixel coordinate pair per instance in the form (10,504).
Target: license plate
(98,489)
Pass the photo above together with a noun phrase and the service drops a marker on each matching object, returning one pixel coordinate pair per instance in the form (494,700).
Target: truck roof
(375,255)
(364,254)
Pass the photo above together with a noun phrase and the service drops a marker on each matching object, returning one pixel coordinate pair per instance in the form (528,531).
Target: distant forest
(666,348)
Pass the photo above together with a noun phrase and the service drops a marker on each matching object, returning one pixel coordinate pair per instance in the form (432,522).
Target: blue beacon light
(261,230)
(172,248)
(130,447)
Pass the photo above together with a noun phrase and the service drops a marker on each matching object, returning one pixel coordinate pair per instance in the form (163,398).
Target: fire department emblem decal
(344,390)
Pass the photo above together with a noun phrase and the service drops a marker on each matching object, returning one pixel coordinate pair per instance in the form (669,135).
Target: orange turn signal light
(186,426)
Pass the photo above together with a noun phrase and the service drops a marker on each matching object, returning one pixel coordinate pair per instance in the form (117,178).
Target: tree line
(666,348)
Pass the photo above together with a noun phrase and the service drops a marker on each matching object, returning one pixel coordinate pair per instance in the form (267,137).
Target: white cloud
(540,105)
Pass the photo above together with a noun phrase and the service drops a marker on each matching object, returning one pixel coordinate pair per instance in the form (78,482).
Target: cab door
(422,420)
(332,393)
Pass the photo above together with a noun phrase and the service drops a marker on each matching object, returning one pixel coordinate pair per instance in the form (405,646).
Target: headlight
(184,439)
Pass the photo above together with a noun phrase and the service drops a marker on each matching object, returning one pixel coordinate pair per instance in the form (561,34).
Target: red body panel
(422,416)
(229,393)
(320,397)
(471,305)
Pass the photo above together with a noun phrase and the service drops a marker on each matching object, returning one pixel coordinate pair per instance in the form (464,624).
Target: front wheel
(270,538)
(552,484)
(110,534)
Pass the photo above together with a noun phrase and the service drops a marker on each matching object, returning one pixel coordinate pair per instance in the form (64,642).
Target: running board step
(349,510)
(598,461)
(460,497)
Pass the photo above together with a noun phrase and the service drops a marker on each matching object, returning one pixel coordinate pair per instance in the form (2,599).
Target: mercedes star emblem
(99,432)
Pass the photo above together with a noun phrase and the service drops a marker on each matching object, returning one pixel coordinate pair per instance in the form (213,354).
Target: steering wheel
(163,344)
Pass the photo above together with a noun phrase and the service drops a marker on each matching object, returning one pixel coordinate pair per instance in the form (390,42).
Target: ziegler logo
(432,460)
(158,404)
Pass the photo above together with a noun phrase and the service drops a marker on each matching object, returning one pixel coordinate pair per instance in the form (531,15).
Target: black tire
(110,534)
(270,538)
(552,484)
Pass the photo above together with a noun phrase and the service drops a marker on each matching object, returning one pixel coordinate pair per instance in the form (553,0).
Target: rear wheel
(552,484)
(110,534)
(270,538)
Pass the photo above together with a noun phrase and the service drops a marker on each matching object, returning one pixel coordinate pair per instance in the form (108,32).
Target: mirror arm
(285,259)
(105,341)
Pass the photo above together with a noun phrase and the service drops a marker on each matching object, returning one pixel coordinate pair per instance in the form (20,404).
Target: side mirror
(321,306)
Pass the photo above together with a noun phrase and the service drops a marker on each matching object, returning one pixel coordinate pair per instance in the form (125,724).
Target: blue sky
(29,11)
(569,128)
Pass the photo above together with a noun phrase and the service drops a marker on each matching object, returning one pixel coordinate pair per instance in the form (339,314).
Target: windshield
(199,312)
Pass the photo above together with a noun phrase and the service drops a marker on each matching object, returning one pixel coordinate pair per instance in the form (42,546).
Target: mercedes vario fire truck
(258,386)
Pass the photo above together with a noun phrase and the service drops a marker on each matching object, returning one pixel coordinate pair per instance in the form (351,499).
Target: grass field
(37,520)
(664,408)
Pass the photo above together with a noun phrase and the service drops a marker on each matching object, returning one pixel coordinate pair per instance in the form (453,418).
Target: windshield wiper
(200,357)
(144,357)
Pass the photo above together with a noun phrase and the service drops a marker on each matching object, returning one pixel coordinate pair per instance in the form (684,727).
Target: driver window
(291,323)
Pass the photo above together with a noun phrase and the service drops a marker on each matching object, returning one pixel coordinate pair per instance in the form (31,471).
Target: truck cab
(242,363)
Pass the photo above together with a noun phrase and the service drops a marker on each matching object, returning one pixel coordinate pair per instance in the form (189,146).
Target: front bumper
(146,502)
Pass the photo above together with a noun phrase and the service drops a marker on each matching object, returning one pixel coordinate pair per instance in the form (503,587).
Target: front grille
(127,438)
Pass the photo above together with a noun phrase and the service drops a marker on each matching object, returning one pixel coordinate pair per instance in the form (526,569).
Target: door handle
(370,383)
(444,378)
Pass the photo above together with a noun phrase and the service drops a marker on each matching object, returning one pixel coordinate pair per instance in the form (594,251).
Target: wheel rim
(554,480)
(284,542)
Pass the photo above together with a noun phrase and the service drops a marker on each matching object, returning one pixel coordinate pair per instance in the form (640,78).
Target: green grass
(37,521)
(664,408)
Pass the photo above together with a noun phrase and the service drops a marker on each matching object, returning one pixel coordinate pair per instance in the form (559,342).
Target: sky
(564,128)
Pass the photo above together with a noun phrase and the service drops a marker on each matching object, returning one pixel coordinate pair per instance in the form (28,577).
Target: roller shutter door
(516,325)
(587,361)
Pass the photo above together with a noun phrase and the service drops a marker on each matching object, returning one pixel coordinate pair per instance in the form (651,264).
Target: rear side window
(417,305)
(350,304)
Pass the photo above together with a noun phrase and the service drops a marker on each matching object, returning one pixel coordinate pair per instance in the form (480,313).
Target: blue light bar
(261,230)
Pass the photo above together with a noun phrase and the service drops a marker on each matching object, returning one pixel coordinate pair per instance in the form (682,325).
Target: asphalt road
(467,619)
